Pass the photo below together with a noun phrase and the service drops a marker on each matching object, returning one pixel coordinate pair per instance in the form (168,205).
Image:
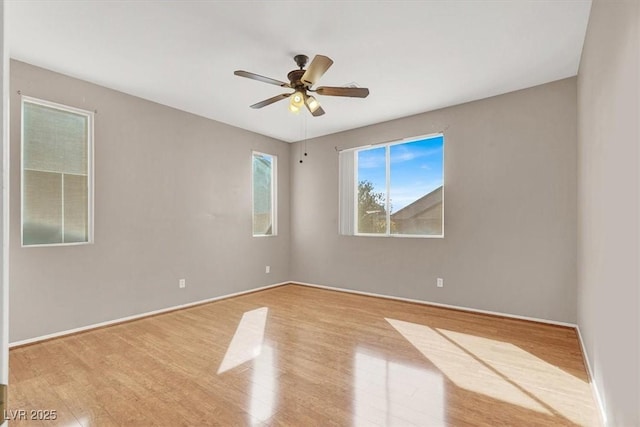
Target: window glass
(263,194)
(56,142)
(415,192)
(399,188)
(372,191)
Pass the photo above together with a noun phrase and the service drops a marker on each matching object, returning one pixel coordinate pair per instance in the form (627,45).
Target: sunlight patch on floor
(246,343)
(395,393)
(263,385)
(527,371)
(462,368)
(76,422)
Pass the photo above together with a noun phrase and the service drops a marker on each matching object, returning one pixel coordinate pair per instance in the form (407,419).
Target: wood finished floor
(299,356)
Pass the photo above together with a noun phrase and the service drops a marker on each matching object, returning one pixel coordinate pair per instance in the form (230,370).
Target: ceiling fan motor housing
(295,77)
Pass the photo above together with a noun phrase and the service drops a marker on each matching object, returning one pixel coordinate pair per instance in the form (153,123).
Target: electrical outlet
(440,282)
(182,283)
(267,269)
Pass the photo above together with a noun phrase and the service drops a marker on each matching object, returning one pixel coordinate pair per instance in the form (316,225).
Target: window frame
(387,146)
(274,194)
(90,115)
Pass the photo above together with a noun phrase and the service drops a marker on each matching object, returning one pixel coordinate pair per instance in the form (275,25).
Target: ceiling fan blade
(353,92)
(319,111)
(271,100)
(312,105)
(317,68)
(260,78)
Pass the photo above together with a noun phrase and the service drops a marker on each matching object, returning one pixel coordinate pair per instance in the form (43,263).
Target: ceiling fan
(301,82)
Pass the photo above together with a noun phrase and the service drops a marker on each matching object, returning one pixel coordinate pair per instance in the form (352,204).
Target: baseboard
(594,387)
(436,304)
(313,285)
(138,316)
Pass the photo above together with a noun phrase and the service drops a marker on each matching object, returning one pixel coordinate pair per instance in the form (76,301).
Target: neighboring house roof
(421,205)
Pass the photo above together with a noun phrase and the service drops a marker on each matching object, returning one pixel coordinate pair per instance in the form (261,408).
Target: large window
(57,144)
(264,194)
(393,189)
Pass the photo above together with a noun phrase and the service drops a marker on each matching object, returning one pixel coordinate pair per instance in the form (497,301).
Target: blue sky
(416,169)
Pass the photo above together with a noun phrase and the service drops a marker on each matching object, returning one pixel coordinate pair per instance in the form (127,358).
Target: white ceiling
(414,56)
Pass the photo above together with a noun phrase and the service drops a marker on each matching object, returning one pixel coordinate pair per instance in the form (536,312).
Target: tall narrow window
(264,194)
(57,145)
(395,188)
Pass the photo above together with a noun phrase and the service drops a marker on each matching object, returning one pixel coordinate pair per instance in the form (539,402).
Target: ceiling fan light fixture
(297,99)
(312,103)
(293,108)
(296,102)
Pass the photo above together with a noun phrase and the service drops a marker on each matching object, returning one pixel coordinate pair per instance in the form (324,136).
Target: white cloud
(399,154)
(371,159)
(402,153)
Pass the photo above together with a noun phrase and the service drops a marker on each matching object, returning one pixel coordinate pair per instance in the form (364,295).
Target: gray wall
(172,200)
(609,206)
(4,255)
(510,210)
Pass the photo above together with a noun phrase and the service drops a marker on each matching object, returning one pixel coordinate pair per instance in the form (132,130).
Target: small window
(57,182)
(393,189)
(264,194)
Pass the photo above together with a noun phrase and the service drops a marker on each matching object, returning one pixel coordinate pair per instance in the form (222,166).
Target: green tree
(372,213)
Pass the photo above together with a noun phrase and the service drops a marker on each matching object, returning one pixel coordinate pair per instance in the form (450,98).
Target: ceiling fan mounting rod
(301,60)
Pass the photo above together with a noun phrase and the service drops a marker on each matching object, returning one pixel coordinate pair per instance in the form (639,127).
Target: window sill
(47,245)
(402,236)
